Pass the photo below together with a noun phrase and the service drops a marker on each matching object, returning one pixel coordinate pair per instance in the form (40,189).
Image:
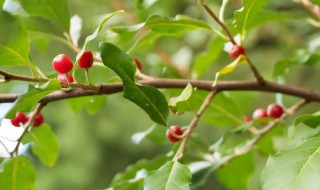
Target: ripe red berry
(236,51)
(139,66)
(19,119)
(62,63)
(62,77)
(259,113)
(86,60)
(38,120)
(274,110)
(177,130)
(246,118)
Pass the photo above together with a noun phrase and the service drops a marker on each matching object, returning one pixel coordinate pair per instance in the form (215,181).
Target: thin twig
(250,144)
(193,124)
(8,76)
(27,128)
(213,15)
(255,72)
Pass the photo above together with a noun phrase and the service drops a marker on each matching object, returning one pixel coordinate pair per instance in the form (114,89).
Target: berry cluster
(273,111)
(63,64)
(21,119)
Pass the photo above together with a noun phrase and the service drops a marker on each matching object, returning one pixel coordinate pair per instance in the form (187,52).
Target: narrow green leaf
(146,41)
(30,99)
(44,144)
(184,101)
(180,23)
(14,42)
(247,14)
(242,167)
(96,32)
(164,26)
(57,11)
(295,169)
(171,176)
(93,36)
(148,98)
(311,120)
(17,174)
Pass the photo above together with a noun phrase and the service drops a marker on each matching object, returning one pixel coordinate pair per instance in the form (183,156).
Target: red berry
(246,118)
(139,66)
(236,51)
(62,77)
(86,60)
(62,63)
(177,130)
(38,120)
(274,110)
(259,113)
(19,119)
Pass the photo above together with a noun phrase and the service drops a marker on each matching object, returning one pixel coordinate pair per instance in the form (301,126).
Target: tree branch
(193,124)
(305,93)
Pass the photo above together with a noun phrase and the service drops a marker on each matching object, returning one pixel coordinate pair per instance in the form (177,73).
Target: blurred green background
(96,147)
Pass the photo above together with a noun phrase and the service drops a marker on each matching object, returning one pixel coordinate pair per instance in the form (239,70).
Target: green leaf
(184,101)
(96,32)
(147,40)
(18,174)
(164,26)
(1,3)
(31,98)
(14,42)
(295,169)
(223,111)
(44,144)
(311,120)
(139,168)
(125,34)
(179,24)
(171,176)
(148,98)
(93,36)
(41,31)
(204,60)
(247,14)
(57,11)
(242,167)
